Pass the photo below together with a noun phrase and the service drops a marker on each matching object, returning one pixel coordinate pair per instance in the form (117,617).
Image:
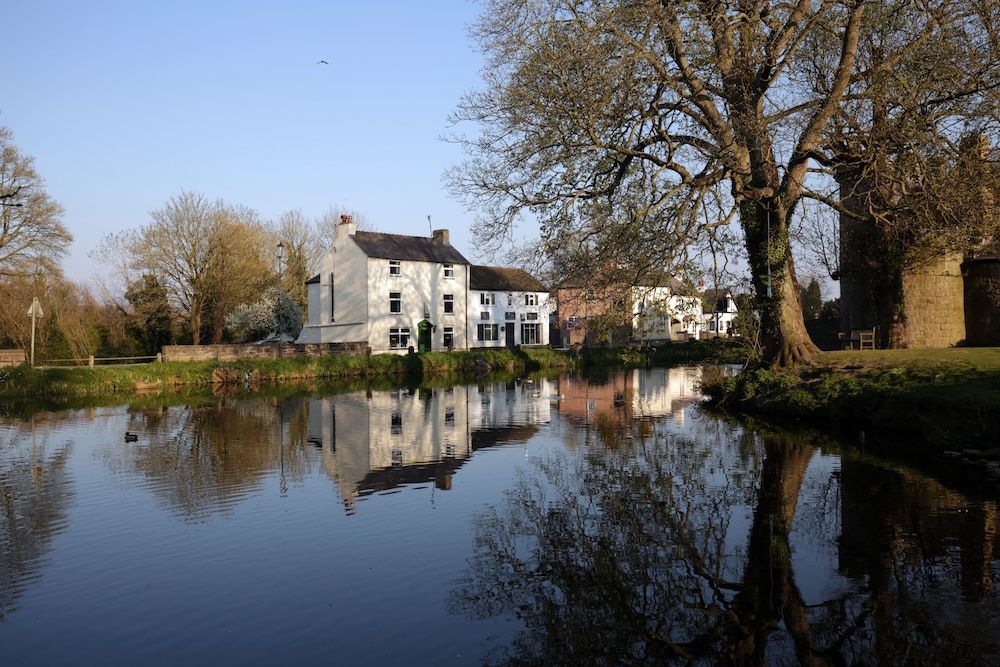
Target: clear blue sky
(124,104)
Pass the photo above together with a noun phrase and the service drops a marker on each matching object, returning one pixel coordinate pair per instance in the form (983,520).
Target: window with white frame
(485,315)
(399,337)
(449,304)
(488,299)
(531,299)
(531,316)
(510,299)
(395,302)
(510,315)
(395,269)
(449,337)
(530,334)
(488,332)
(396,425)
(449,270)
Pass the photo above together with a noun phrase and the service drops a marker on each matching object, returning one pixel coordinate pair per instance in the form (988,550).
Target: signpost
(35,311)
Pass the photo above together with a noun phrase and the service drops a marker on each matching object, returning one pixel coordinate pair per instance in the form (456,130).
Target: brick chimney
(441,237)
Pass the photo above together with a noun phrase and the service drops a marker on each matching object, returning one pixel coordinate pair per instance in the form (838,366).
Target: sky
(125,104)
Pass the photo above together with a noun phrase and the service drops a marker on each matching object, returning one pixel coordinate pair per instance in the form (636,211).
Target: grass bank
(69,385)
(943,398)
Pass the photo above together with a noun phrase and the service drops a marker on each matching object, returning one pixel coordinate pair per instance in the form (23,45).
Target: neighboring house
(618,315)
(390,291)
(507,307)
(664,314)
(720,311)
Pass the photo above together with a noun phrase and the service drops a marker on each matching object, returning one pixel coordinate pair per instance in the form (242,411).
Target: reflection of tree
(34,493)
(627,556)
(203,459)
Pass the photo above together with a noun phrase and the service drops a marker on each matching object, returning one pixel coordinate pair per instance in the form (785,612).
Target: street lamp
(281,255)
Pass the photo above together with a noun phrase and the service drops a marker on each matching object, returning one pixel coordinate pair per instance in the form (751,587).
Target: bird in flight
(322,62)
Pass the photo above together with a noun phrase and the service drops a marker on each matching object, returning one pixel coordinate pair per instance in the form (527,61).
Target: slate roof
(499,279)
(412,248)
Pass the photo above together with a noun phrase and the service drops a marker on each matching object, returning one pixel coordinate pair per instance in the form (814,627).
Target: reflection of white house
(661,314)
(380,440)
(507,307)
(390,291)
(658,392)
(719,314)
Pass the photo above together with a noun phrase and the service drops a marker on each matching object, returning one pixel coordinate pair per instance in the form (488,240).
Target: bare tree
(646,110)
(32,236)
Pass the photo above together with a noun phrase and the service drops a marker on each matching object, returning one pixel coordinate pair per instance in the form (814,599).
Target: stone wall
(935,303)
(982,301)
(263,351)
(12,357)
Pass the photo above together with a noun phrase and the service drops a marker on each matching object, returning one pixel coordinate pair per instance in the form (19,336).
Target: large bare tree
(655,111)
(32,236)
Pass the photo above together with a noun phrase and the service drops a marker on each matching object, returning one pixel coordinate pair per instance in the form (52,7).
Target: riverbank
(115,382)
(944,399)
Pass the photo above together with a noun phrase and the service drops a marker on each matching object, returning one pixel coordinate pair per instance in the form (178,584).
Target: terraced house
(389,290)
(393,292)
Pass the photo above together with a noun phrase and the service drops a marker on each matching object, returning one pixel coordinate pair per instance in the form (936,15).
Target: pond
(537,520)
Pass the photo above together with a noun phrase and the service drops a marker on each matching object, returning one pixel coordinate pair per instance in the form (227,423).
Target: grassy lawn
(943,397)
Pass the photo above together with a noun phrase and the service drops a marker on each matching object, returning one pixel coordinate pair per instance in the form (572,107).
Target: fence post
(159,357)
(90,362)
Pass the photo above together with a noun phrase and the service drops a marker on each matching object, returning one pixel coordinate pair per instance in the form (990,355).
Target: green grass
(23,383)
(942,397)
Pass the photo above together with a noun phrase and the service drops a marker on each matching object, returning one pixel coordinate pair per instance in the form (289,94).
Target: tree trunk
(784,339)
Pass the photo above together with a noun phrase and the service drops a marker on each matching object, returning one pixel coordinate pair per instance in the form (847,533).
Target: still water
(546,521)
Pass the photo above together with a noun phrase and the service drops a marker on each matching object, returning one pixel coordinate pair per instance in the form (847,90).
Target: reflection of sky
(234,546)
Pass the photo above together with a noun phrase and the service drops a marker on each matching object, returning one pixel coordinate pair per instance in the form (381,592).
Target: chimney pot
(345,219)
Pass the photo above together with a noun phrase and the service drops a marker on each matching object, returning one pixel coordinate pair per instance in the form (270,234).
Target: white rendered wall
(498,316)
(420,284)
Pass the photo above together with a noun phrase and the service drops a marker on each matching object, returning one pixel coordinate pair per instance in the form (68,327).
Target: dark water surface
(553,521)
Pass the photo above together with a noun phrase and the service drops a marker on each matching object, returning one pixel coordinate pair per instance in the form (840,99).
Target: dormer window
(394,268)
(449,270)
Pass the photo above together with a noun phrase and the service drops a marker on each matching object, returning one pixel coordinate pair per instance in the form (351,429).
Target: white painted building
(507,307)
(662,314)
(719,315)
(390,291)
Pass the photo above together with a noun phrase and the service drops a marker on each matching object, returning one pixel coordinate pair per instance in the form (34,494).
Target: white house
(718,317)
(507,307)
(390,291)
(662,314)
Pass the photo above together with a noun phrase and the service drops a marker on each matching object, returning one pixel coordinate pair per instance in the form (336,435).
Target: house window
(397,423)
(531,299)
(572,322)
(510,299)
(449,304)
(485,315)
(399,337)
(394,268)
(531,316)
(488,299)
(489,331)
(449,417)
(449,337)
(510,315)
(395,302)
(449,270)
(529,334)
(397,458)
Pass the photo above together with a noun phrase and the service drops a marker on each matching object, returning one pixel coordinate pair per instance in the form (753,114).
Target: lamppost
(281,257)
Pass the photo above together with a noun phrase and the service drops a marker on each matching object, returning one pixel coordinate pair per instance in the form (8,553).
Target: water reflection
(633,527)
(377,441)
(685,550)
(34,493)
